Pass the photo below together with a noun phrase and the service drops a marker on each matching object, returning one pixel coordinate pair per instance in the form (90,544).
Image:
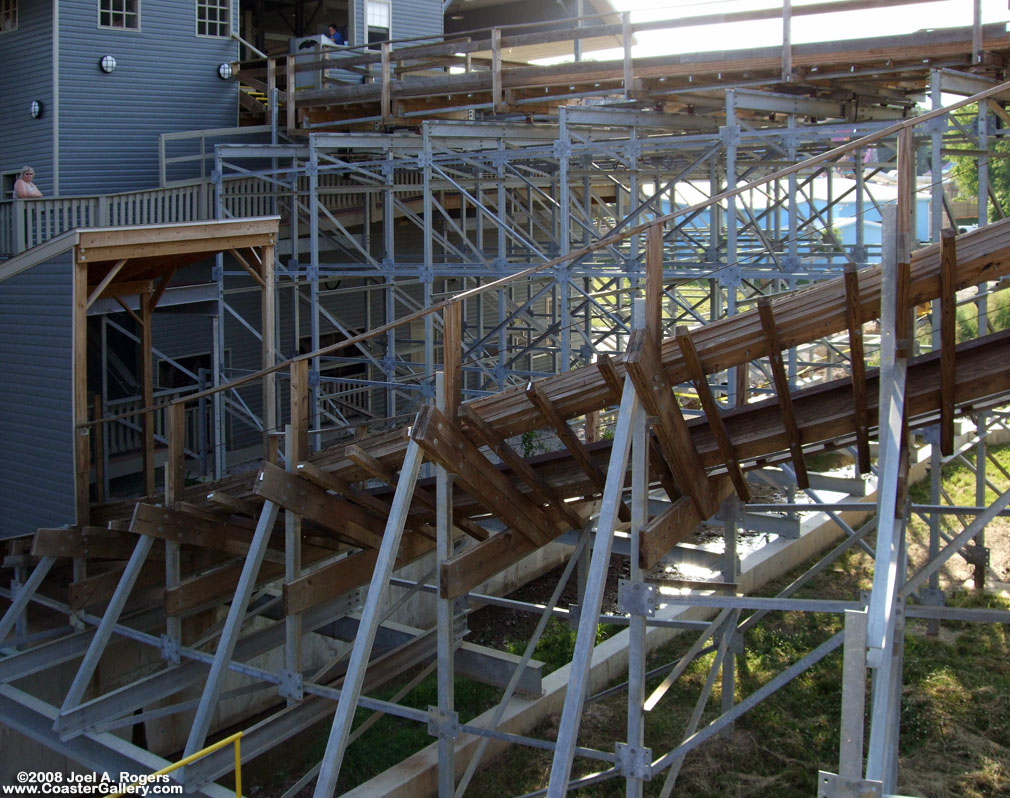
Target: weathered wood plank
(783,392)
(302,497)
(445,443)
(542,490)
(571,442)
(712,414)
(857,362)
(656,393)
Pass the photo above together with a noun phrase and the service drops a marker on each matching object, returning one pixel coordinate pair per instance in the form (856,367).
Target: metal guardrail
(235,738)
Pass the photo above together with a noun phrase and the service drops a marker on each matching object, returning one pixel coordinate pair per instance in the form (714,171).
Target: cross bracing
(463,299)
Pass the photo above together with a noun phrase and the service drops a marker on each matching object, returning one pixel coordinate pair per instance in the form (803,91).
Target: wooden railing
(27,223)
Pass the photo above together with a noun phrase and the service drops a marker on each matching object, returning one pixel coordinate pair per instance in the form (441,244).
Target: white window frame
(126,15)
(203,5)
(388,15)
(8,16)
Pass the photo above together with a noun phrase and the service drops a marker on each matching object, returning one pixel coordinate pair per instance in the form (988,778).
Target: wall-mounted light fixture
(108,64)
(224,71)
(36,109)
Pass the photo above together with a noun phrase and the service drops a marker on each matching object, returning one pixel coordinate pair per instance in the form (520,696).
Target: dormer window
(121,14)
(212,17)
(8,15)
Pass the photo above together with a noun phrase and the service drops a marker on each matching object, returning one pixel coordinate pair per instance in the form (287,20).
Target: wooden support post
(98,433)
(298,444)
(384,97)
(782,389)
(712,414)
(82,443)
(654,389)
(578,449)
(948,341)
(452,351)
(854,321)
(175,469)
(654,282)
(289,101)
(147,390)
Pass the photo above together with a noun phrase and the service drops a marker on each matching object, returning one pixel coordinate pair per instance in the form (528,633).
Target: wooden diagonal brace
(854,321)
(191,530)
(711,408)
(656,392)
(307,500)
(542,490)
(377,470)
(785,399)
(446,444)
(578,449)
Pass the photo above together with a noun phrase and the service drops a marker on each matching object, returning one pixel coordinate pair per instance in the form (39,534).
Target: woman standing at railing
(24,186)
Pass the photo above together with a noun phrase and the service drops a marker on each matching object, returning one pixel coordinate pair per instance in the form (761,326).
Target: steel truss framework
(599,203)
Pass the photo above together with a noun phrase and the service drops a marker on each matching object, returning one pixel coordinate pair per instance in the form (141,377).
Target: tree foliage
(966,166)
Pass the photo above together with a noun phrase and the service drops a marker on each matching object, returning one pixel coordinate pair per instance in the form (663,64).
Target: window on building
(378,21)
(119,14)
(8,15)
(212,17)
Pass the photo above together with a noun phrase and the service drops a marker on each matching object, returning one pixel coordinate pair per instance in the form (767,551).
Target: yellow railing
(234,738)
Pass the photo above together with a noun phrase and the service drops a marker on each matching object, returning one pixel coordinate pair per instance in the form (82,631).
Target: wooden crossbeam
(94,295)
(91,542)
(377,470)
(235,504)
(605,365)
(654,389)
(98,589)
(191,530)
(571,442)
(711,408)
(854,321)
(672,526)
(785,400)
(217,579)
(327,480)
(353,571)
(948,339)
(542,490)
(446,444)
(310,501)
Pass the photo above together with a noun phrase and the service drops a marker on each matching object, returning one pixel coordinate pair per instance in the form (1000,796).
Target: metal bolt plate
(443,724)
(636,598)
(634,761)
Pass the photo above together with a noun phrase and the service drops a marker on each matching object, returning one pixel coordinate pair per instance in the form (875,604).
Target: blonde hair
(26,169)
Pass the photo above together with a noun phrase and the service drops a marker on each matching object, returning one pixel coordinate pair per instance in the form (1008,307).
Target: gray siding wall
(27,57)
(166,80)
(36,421)
(410,18)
